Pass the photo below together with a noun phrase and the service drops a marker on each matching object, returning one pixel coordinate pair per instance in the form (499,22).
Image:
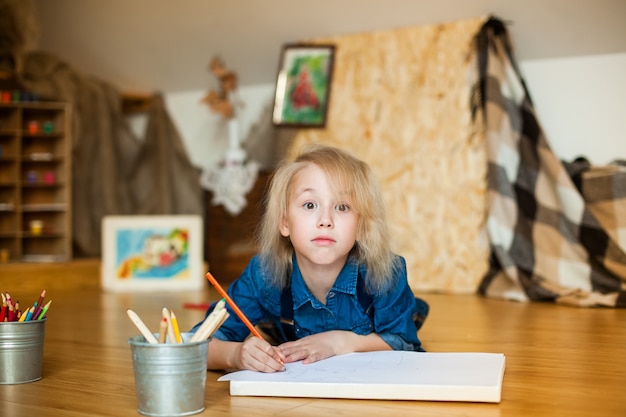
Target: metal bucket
(170,378)
(21,351)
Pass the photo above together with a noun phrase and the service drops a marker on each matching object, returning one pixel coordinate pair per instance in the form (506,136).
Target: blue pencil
(29,315)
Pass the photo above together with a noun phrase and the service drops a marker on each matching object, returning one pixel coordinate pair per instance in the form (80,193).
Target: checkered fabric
(604,190)
(549,241)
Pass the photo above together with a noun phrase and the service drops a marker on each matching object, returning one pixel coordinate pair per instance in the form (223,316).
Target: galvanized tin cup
(170,378)
(21,351)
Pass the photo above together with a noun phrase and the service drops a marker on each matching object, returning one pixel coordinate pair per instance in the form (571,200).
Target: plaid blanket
(550,240)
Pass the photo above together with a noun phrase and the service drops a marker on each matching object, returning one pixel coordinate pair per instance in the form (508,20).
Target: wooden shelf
(35,181)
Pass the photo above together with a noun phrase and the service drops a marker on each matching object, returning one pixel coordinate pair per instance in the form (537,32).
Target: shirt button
(331,294)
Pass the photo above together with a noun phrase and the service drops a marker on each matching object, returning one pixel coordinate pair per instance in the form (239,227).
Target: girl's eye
(342,207)
(309,205)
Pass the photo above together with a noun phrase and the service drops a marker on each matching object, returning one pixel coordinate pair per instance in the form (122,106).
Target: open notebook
(386,375)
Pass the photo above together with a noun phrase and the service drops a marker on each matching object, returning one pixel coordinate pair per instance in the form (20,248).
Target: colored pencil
(203,331)
(232,305)
(37,312)
(163,330)
(44,310)
(177,336)
(171,338)
(24,315)
(141,326)
(41,298)
(3,310)
(213,322)
(11,312)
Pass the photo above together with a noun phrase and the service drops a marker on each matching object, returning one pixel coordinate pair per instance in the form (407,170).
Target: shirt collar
(346,282)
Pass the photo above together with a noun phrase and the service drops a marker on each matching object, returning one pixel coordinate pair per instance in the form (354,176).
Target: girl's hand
(315,347)
(257,355)
(320,346)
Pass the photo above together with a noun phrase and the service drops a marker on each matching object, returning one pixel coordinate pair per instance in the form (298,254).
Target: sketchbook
(385,375)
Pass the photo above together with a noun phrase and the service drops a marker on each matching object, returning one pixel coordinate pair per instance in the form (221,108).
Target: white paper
(393,375)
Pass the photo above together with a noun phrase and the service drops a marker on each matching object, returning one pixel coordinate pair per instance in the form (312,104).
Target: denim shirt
(394,309)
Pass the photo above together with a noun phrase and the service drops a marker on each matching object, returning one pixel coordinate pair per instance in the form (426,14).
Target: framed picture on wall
(152,253)
(303,85)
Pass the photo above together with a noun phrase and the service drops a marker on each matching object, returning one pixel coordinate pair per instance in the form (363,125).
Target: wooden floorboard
(560,361)
(75,274)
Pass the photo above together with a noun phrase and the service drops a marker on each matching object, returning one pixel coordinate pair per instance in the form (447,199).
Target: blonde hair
(344,172)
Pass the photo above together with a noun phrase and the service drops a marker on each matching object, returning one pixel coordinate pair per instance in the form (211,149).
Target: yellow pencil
(24,314)
(175,327)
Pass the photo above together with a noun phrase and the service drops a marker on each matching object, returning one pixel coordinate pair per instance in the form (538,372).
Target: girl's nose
(325,220)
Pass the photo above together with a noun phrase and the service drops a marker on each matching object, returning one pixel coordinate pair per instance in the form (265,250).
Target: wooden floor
(560,361)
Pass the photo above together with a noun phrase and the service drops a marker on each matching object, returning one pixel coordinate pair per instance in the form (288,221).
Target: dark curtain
(113,171)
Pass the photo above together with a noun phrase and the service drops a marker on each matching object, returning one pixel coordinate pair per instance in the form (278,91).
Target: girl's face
(321,228)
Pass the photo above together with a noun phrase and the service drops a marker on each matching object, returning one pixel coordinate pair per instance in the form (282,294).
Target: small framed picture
(152,253)
(303,85)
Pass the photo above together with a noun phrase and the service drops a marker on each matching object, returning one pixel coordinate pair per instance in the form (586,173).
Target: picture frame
(303,85)
(152,253)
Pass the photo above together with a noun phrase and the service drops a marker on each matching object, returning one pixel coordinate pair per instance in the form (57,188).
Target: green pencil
(44,310)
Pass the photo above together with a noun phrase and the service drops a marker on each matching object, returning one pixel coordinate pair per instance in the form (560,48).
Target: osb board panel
(400,100)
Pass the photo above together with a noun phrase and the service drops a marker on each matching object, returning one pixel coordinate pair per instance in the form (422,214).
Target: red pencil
(3,309)
(11,313)
(41,297)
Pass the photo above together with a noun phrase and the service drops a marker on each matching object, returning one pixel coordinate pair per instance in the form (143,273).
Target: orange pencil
(232,305)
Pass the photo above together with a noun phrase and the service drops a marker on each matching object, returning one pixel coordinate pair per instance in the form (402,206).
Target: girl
(325,277)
